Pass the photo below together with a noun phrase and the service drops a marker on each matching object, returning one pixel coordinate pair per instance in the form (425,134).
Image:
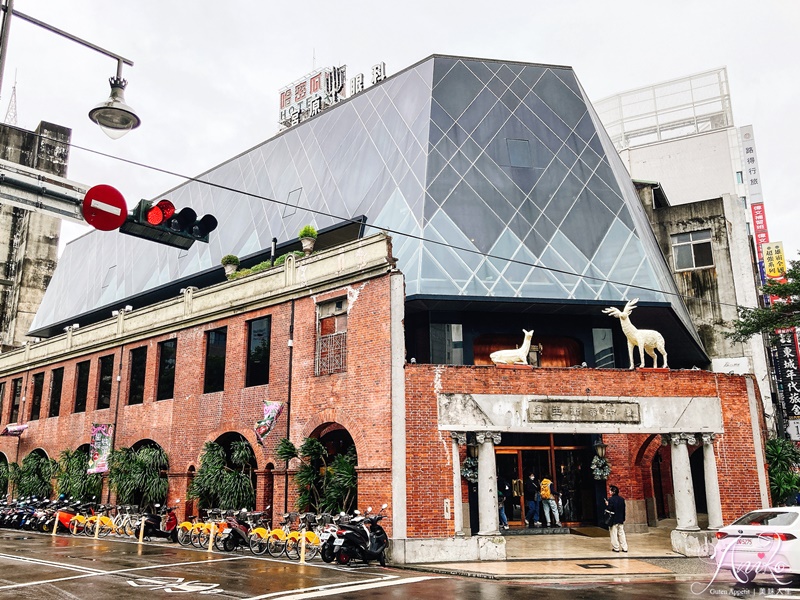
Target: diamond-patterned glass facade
(495,178)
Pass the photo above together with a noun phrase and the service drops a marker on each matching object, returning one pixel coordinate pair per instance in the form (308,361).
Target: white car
(764,542)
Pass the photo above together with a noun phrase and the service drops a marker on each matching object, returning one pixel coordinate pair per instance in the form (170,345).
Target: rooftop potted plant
(230,262)
(307,235)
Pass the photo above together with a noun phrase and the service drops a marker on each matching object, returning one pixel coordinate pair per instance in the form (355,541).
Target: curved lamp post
(113,116)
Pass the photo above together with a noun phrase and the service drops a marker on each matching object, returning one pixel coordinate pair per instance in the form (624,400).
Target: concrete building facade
(28,239)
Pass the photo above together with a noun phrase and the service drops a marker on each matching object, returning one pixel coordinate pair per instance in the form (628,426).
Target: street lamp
(113,116)
(600,448)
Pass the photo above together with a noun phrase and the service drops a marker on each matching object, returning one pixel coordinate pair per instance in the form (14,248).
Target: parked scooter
(237,533)
(328,537)
(363,538)
(161,524)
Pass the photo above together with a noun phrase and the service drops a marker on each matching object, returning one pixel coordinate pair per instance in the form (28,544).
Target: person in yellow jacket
(549,504)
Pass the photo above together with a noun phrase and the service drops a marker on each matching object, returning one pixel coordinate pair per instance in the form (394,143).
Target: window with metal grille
(692,250)
(331,354)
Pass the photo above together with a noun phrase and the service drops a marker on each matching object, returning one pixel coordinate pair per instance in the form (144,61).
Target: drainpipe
(116,412)
(288,411)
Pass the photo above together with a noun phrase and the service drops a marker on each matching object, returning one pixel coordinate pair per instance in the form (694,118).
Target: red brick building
(336,344)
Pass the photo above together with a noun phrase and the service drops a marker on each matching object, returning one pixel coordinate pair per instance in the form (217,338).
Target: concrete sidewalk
(582,558)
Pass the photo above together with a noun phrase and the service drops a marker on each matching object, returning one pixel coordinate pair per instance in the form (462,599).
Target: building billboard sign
(100,448)
(311,94)
(750,160)
(788,372)
(774,261)
(760,231)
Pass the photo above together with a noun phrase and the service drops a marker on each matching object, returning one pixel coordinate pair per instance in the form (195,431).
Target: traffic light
(161,223)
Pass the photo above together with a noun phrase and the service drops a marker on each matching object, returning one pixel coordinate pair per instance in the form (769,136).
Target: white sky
(206,74)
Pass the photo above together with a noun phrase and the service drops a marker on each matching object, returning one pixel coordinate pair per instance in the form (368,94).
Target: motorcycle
(237,533)
(363,538)
(328,537)
(154,528)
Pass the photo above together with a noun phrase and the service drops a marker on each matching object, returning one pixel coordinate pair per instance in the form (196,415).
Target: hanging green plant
(601,468)
(469,469)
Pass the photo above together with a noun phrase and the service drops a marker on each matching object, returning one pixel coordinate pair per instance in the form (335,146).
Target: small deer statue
(518,356)
(648,340)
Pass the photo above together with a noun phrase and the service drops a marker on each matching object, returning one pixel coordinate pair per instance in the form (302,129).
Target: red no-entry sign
(104,208)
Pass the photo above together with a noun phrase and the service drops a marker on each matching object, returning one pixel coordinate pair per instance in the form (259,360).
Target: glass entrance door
(565,459)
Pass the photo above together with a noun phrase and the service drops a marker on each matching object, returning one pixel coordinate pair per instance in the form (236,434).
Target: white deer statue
(648,340)
(518,356)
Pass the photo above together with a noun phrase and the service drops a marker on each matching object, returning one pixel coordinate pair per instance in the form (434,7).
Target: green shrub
(230,259)
(307,232)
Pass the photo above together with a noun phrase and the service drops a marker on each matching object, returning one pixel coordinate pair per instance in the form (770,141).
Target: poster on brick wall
(101,447)
(789,378)
(272,410)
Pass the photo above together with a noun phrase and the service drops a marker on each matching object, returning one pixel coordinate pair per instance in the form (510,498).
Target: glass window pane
(519,153)
(106,378)
(36,401)
(16,394)
(702,255)
(258,339)
(705,234)
(56,381)
(681,238)
(683,257)
(166,369)
(136,383)
(215,360)
(81,386)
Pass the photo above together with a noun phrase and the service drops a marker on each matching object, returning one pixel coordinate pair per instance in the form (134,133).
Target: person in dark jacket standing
(616,505)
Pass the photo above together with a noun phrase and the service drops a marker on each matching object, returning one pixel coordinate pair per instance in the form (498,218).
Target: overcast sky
(206,74)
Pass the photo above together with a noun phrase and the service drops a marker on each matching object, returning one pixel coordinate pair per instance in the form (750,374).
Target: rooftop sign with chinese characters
(311,94)
(579,414)
(319,90)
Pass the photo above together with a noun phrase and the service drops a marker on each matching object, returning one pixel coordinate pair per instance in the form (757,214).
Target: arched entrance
(338,481)
(138,474)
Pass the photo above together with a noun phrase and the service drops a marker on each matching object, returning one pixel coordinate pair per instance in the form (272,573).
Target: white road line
(50,563)
(336,590)
(116,572)
(315,588)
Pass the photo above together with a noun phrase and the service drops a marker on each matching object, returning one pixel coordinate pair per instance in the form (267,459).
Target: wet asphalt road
(41,567)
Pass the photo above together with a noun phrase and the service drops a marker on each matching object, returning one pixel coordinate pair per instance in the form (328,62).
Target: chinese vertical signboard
(760,232)
(750,159)
(789,378)
(101,448)
(774,266)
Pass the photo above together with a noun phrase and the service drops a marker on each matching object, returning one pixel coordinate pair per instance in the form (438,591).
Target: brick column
(713,499)
(488,510)
(685,508)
